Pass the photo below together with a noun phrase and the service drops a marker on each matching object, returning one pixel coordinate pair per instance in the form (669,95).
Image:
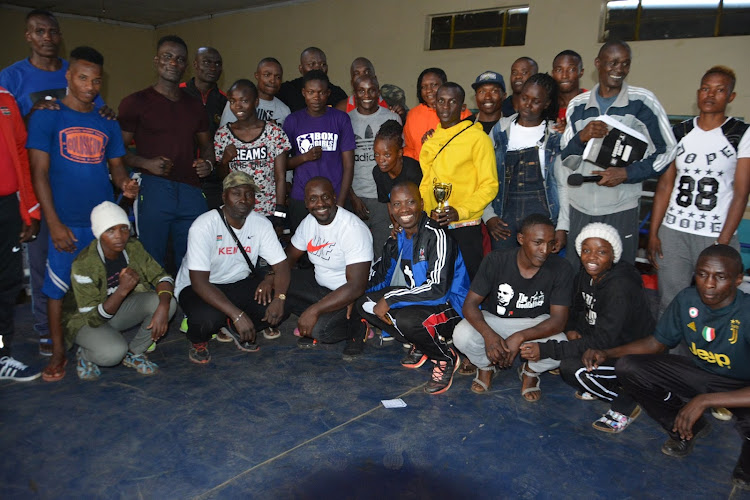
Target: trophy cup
(442,191)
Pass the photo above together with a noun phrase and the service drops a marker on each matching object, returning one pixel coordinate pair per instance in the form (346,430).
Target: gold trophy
(442,191)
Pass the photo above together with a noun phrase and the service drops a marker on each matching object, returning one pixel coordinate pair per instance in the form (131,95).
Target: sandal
(480,387)
(53,374)
(615,422)
(523,370)
(140,363)
(467,368)
(271,333)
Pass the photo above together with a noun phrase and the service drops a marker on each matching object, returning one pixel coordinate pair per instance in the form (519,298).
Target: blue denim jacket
(551,145)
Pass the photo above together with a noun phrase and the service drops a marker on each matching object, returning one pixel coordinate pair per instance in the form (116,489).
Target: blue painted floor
(290,423)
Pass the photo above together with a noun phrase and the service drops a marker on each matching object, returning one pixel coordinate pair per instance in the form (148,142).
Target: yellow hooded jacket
(468,163)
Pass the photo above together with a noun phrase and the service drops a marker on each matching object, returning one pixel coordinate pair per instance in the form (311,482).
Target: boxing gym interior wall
(394,34)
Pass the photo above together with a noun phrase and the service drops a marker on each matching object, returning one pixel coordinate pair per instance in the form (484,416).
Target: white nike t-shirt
(330,248)
(211,248)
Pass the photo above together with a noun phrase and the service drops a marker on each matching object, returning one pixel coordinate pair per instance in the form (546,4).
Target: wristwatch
(281,296)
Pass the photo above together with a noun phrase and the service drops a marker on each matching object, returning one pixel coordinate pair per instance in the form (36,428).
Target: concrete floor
(291,423)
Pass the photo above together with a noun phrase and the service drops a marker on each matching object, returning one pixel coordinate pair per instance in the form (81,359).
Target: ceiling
(147,12)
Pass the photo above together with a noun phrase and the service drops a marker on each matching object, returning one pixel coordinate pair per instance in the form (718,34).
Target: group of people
(287,198)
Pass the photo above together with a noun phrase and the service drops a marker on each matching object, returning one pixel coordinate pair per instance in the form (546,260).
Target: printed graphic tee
(332,247)
(79,145)
(211,248)
(332,132)
(256,158)
(510,295)
(703,188)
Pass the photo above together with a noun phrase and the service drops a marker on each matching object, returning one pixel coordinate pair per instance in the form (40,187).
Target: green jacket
(82,304)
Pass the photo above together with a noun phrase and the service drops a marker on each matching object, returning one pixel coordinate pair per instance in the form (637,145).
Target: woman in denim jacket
(527,151)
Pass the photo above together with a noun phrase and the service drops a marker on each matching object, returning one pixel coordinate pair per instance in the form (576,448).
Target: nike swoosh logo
(314,248)
(16,249)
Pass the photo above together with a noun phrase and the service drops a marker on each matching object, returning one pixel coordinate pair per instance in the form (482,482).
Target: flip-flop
(524,392)
(271,333)
(54,376)
(465,370)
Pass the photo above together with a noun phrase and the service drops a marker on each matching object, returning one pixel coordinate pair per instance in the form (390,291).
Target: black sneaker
(414,359)
(354,348)
(681,448)
(442,375)
(242,345)
(307,342)
(199,353)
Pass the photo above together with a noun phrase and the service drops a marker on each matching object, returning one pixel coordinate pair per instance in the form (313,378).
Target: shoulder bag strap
(237,241)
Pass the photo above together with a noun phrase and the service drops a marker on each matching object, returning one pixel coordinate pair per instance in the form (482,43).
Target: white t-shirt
(330,248)
(704,184)
(520,137)
(266,111)
(211,248)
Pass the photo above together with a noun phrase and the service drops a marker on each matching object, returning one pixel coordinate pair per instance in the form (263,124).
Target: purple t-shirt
(333,132)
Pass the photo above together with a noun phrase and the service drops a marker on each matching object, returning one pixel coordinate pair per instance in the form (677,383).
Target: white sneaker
(12,369)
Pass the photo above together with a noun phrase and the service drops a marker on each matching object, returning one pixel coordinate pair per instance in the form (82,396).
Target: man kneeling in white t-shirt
(339,246)
(217,278)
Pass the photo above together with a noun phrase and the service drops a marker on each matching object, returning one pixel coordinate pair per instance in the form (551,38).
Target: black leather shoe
(681,448)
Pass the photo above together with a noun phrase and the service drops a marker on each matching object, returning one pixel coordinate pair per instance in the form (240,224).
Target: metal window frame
(603,33)
(504,28)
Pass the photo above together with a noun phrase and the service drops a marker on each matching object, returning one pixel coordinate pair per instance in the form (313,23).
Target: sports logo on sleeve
(83,145)
(329,141)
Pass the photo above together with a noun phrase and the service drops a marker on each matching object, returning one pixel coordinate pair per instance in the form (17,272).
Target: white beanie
(106,215)
(603,231)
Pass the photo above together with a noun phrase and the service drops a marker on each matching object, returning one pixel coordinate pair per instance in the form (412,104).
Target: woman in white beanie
(610,308)
(115,285)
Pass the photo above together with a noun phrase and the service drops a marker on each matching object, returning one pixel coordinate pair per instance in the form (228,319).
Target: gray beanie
(603,231)
(106,215)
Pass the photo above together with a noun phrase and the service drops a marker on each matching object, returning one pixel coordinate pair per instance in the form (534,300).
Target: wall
(128,51)
(392,34)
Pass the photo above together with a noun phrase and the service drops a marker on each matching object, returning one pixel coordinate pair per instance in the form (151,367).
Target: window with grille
(668,19)
(484,28)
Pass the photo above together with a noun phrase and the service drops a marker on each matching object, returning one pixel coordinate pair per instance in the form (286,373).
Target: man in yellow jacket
(460,153)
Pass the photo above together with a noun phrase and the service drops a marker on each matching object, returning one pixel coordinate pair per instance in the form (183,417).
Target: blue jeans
(167,208)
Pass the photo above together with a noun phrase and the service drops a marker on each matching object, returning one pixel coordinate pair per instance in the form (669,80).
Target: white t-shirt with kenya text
(211,248)
(330,248)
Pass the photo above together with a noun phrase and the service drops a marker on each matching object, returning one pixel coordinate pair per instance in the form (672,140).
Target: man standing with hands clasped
(166,123)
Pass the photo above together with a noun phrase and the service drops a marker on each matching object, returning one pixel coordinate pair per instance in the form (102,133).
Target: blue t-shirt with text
(79,145)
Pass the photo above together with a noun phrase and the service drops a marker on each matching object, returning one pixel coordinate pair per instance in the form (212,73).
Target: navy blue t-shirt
(718,339)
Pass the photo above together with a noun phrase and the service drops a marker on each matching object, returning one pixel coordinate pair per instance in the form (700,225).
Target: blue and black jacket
(437,275)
